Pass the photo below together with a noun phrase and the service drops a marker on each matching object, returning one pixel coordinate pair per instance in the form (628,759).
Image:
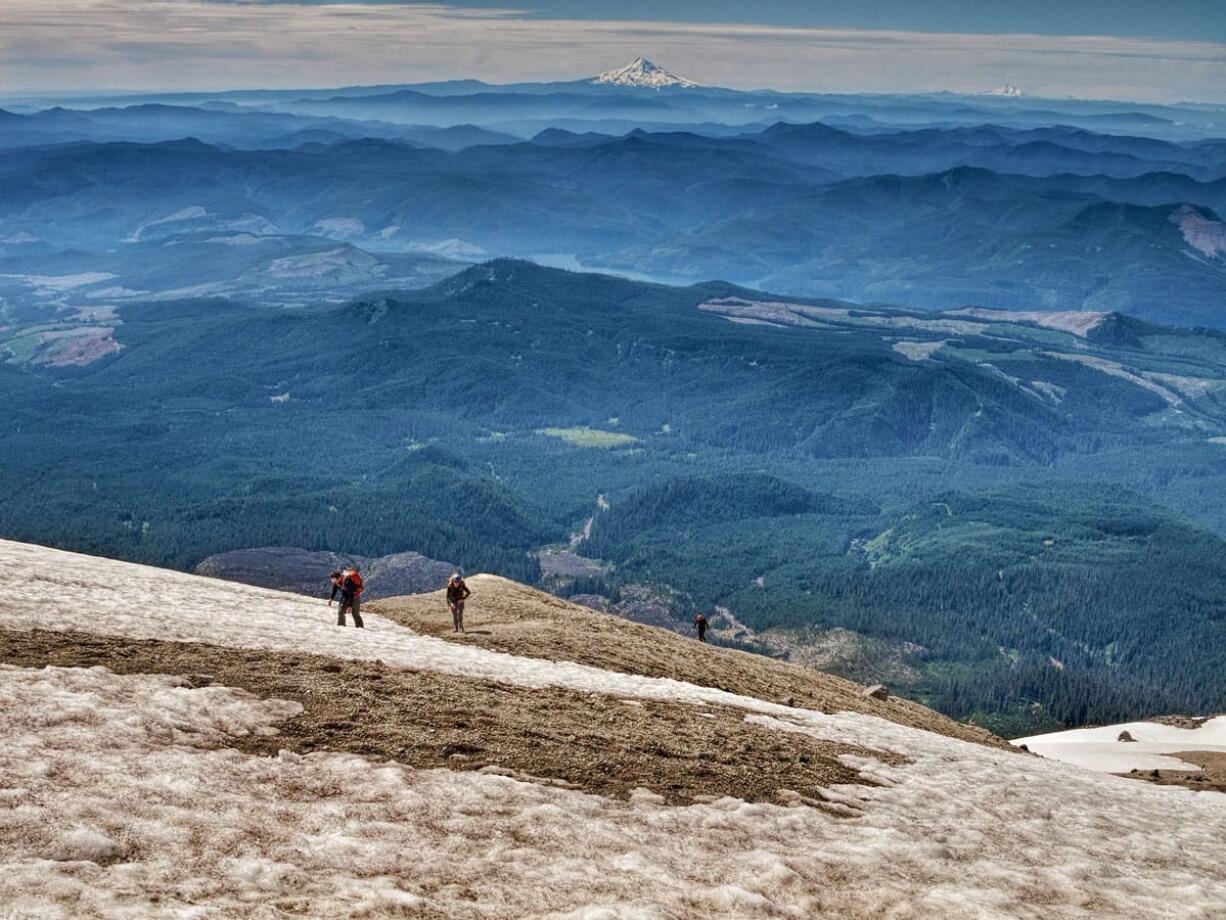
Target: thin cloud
(189,44)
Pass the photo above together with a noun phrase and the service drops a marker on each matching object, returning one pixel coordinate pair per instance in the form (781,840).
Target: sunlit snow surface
(116,799)
(1100,748)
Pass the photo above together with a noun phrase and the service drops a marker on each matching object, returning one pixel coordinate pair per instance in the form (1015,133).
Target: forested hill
(494,413)
(1054,603)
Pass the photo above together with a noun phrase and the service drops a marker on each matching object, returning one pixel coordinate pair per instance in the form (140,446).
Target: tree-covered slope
(1060,604)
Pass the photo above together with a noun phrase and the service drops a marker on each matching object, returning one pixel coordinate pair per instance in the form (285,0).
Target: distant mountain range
(229,126)
(1052,218)
(932,201)
(656,94)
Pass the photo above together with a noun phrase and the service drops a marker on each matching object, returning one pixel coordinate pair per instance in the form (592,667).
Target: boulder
(1125,736)
(877,692)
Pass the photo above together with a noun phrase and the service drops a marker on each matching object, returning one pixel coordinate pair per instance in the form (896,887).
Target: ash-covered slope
(303,768)
(525,622)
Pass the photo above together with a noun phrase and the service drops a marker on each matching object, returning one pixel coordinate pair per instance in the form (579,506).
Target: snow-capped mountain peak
(643,73)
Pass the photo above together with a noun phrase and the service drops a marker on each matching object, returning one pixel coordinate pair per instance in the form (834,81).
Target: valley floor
(199,748)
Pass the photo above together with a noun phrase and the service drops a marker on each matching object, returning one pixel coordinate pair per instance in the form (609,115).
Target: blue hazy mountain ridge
(897,461)
(722,105)
(509,106)
(154,122)
(1032,151)
(1041,218)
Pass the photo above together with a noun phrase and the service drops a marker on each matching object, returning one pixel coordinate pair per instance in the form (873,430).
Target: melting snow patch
(1099,748)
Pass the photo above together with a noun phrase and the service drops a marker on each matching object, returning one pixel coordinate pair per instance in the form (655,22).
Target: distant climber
(349,585)
(457,594)
(700,624)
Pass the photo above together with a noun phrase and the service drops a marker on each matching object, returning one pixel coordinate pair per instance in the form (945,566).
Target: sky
(1144,51)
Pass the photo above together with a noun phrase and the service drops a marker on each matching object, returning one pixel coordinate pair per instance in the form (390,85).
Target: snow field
(118,802)
(1100,748)
(961,831)
(72,592)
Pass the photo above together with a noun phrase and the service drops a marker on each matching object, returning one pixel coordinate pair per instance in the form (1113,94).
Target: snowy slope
(1100,748)
(118,797)
(642,73)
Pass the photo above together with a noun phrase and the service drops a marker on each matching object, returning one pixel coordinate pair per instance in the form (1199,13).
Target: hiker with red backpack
(349,585)
(700,624)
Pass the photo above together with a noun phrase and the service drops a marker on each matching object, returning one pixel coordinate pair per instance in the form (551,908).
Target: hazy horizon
(125,46)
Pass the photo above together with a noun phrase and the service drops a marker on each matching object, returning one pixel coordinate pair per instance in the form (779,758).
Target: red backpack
(355,580)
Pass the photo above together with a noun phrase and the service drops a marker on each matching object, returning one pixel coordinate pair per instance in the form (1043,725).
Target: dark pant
(355,606)
(457,616)
(702,633)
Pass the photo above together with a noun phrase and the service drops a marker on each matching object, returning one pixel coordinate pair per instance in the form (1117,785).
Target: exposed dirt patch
(80,347)
(1210,777)
(601,744)
(1192,722)
(509,617)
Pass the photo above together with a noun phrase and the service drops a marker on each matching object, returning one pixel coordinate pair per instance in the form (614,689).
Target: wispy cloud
(183,44)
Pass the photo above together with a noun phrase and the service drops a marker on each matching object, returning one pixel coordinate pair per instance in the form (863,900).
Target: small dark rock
(877,692)
(1125,736)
